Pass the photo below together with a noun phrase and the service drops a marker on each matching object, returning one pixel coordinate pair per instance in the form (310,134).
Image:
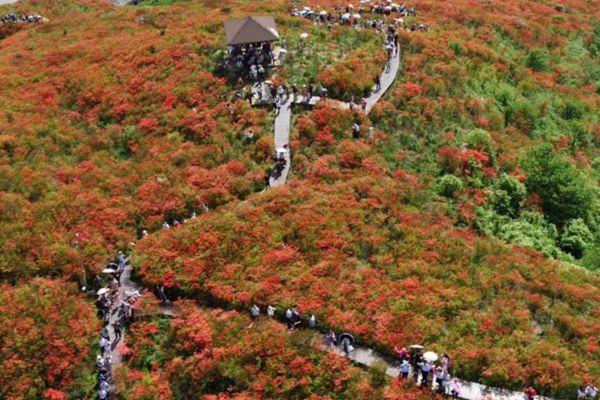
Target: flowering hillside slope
(466,218)
(362,261)
(220,355)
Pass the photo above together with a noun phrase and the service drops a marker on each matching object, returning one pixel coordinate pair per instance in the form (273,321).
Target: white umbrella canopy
(102,291)
(108,271)
(323,13)
(416,347)
(356,16)
(304,36)
(430,356)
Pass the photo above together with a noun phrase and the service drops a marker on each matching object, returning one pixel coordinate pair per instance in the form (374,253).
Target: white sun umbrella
(108,271)
(356,16)
(323,13)
(350,6)
(304,36)
(102,291)
(416,347)
(430,356)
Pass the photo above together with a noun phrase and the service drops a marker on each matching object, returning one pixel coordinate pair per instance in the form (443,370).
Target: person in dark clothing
(118,330)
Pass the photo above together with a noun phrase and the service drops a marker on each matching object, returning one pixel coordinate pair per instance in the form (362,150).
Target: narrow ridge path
(283,119)
(127,285)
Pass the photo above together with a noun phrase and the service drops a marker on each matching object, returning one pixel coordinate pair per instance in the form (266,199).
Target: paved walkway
(3,2)
(387,78)
(283,119)
(127,285)
(469,390)
(283,122)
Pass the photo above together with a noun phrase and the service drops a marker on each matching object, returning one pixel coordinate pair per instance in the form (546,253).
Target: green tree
(508,195)
(564,192)
(576,237)
(449,185)
(537,60)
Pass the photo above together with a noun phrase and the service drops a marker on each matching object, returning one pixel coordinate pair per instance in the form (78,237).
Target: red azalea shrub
(46,330)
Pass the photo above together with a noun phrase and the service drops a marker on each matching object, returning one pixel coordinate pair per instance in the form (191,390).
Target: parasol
(430,356)
(416,347)
(102,291)
(348,336)
(108,271)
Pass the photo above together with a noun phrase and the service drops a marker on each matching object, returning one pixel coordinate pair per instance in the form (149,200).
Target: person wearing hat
(404,369)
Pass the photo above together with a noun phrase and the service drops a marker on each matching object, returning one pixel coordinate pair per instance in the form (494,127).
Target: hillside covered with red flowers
(464,213)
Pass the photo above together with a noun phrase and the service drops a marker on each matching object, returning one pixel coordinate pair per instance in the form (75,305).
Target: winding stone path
(127,285)
(469,390)
(387,78)
(284,117)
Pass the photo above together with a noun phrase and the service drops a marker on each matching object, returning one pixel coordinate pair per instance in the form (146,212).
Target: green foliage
(530,230)
(537,60)
(594,46)
(564,193)
(448,185)
(507,196)
(576,237)
(591,258)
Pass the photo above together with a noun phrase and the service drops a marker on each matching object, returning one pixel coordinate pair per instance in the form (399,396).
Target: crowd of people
(250,61)
(358,17)
(292,317)
(428,370)
(587,392)
(12,18)
(111,302)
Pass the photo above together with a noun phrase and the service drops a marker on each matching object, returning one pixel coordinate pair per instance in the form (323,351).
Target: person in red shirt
(530,393)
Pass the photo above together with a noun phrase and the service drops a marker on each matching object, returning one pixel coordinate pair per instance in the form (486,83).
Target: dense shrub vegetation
(470,222)
(219,355)
(45,334)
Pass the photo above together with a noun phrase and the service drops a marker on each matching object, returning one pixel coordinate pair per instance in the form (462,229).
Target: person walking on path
(255,312)
(346,346)
(425,368)
(404,369)
(591,391)
(377,83)
(530,393)
(288,318)
(363,105)
(277,105)
(331,339)
(118,330)
(312,322)
(455,388)
(271,311)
